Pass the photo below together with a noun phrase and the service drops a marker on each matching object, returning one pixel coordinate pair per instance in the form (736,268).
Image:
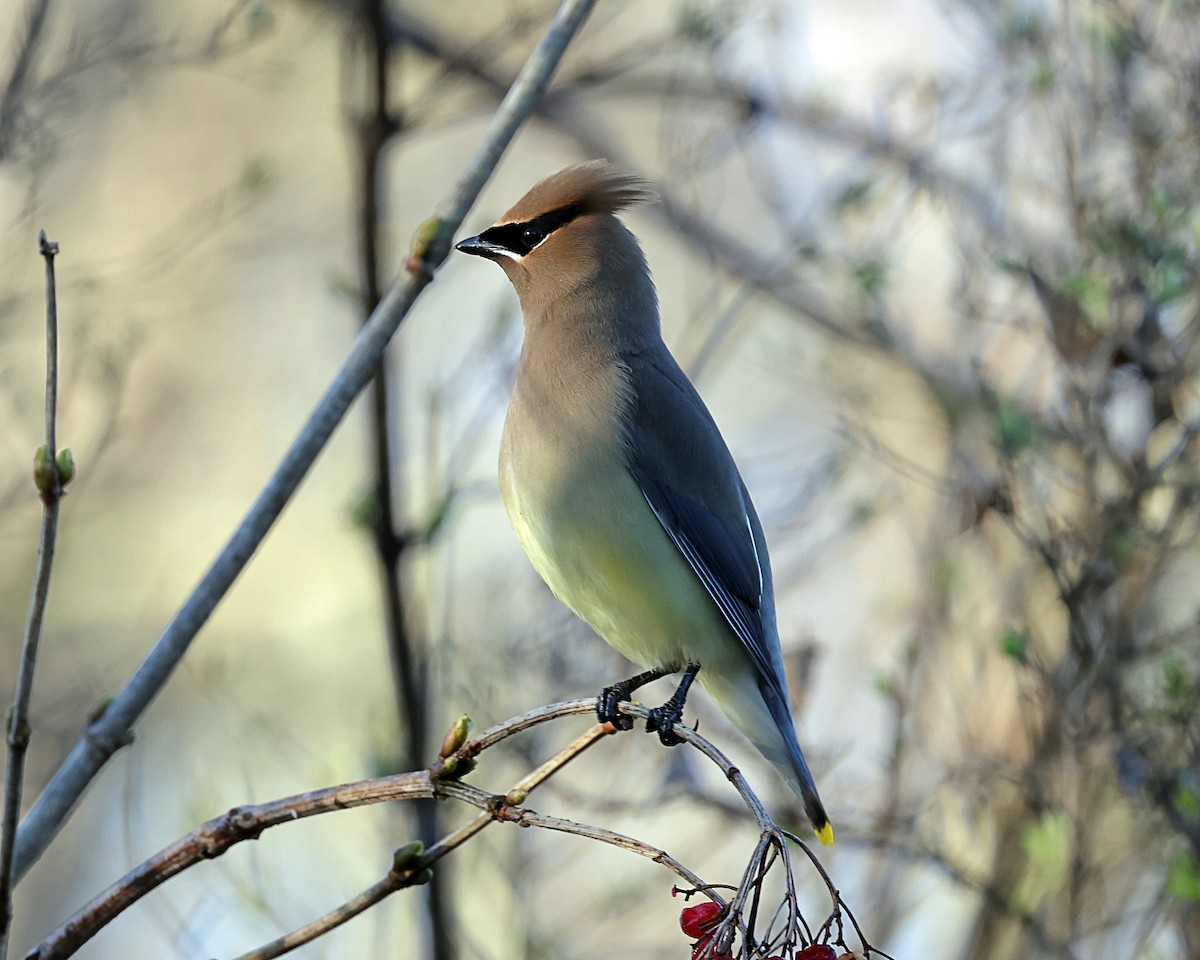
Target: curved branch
(213,838)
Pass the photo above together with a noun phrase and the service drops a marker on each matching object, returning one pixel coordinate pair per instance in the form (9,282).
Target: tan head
(563,237)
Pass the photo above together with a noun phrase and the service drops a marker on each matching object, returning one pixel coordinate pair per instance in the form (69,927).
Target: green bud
(452,768)
(456,736)
(66,466)
(407,855)
(423,236)
(516,797)
(44,472)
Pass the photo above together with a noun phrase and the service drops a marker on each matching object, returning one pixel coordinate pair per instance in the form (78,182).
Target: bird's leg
(606,703)
(664,718)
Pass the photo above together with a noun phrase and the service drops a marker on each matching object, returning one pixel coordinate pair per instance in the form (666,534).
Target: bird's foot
(606,706)
(662,721)
(611,697)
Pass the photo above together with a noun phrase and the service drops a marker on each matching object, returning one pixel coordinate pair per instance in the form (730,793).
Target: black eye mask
(520,238)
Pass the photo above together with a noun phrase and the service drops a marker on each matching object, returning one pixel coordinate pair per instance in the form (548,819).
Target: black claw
(611,697)
(606,707)
(662,721)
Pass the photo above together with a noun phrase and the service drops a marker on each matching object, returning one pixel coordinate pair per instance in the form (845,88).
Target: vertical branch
(14,90)
(49,480)
(406,651)
(374,132)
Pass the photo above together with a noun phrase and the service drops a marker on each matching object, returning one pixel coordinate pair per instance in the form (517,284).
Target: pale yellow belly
(602,551)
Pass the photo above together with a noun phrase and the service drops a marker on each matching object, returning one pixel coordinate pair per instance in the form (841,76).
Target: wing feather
(688,477)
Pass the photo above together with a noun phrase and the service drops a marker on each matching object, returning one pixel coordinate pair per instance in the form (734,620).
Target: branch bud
(406,856)
(422,238)
(66,466)
(45,471)
(455,737)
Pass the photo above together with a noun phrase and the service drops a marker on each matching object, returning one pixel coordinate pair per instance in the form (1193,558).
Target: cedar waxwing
(618,482)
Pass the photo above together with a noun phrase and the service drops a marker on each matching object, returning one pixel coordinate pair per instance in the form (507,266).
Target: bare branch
(109,732)
(213,838)
(10,105)
(49,482)
(411,865)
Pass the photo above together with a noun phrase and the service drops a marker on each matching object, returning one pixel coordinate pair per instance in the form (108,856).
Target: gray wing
(687,475)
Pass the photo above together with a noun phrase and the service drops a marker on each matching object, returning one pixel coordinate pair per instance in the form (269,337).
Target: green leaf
(1187,802)
(1045,841)
(871,276)
(1123,543)
(1092,291)
(1015,645)
(1183,877)
(1014,430)
(1177,682)
(439,515)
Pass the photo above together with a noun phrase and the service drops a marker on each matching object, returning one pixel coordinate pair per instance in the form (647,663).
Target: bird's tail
(765,718)
(797,774)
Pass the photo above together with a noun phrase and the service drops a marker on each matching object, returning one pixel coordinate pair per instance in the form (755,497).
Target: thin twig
(417,869)
(412,868)
(106,734)
(47,479)
(213,838)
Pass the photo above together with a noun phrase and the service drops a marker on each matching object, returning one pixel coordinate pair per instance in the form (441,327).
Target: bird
(617,480)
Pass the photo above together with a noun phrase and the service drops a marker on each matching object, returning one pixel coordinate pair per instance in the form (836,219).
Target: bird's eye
(532,235)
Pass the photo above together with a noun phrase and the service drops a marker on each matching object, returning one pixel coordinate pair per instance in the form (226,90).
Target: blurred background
(933,267)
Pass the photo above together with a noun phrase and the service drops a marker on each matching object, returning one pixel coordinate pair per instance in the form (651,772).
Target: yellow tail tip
(825,834)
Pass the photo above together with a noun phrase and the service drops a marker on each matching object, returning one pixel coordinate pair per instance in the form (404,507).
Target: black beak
(478,247)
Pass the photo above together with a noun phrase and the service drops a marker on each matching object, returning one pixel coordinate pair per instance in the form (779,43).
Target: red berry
(702,944)
(695,919)
(818,951)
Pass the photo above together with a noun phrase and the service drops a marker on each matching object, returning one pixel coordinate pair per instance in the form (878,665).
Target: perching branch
(50,476)
(412,864)
(214,838)
(106,734)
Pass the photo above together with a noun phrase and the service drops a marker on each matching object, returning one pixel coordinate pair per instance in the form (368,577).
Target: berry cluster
(702,920)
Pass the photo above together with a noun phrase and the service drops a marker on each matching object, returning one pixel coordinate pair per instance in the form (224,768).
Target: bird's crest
(594,187)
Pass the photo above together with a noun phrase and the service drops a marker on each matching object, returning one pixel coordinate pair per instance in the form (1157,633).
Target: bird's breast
(594,540)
